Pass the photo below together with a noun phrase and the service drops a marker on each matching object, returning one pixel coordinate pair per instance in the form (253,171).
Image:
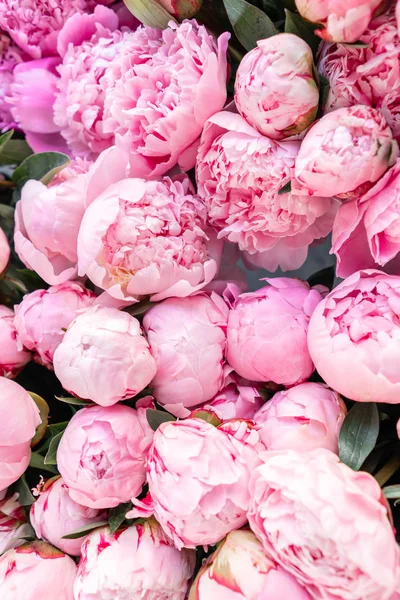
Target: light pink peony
(188,340)
(13,358)
(102,454)
(55,514)
(4,251)
(161,90)
(238,398)
(43,316)
(198,477)
(10,56)
(14,526)
(354,337)
(341,21)
(47,221)
(240,569)
(104,356)
(239,174)
(325,524)
(345,153)
(305,417)
(137,562)
(265,324)
(275,87)
(366,231)
(28,571)
(19,417)
(143,238)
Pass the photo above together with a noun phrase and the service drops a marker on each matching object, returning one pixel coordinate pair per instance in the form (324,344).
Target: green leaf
(156,417)
(249,23)
(51,456)
(324,87)
(44,416)
(82,531)
(295,24)
(37,462)
(358,44)
(31,279)
(42,167)
(285,189)
(74,401)
(150,13)
(358,434)
(391,492)
(25,496)
(117,515)
(58,427)
(206,415)
(5,138)
(15,153)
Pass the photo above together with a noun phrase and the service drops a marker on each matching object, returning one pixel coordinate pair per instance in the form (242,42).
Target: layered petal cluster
(141,238)
(354,337)
(14,526)
(325,524)
(265,324)
(136,562)
(102,454)
(239,174)
(13,357)
(4,251)
(238,398)
(10,57)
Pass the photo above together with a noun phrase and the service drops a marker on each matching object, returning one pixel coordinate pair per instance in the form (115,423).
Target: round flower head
(325,524)
(341,21)
(345,153)
(104,356)
(239,174)
(13,357)
(275,89)
(354,337)
(10,56)
(137,562)
(102,454)
(141,238)
(55,514)
(13,524)
(264,324)
(42,317)
(4,251)
(160,91)
(29,570)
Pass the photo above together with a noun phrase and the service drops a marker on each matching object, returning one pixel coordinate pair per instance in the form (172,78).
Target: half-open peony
(13,357)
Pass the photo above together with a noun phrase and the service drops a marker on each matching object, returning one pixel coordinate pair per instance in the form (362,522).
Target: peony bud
(12,357)
(181,9)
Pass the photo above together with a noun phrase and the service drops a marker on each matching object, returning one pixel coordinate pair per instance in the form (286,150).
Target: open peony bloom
(161,90)
(14,526)
(275,87)
(265,324)
(19,417)
(366,232)
(102,454)
(188,339)
(241,569)
(13,358)
(55,514)
(47,221)
(198,476)
(4,251)
(238,398)
(341,21)
(141,238)
(10,57)
(345,153)
(305,417)
(104,356)
(42,317)
(136,562)
(239,174)
(354,337)
(325,524)
(28,571)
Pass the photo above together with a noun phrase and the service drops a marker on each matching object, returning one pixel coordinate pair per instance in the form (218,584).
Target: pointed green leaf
(25,496)
(285,189)
(51,456)
(5,138)
(358,434)
(37,462)
(156,417)
(391,492)
(249,23)
(43,167)
(85,530)
(74,401)
(117,515)
(15,153)
(150,13)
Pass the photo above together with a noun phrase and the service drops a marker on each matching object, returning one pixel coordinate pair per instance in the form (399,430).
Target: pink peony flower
(366,231)
(104,356)
(240,569)
(10,56)
(325,524)
(13,358)
(341,21)
(305,417)
(239,174)
(188,339)
(43,315)
(28,571)
(4,251)
(137,562)
(354,337)
(102,454)
(275,88)
(345,153)
(19,417)
(13,524)
(143,238)
(264,324)
(161,90)
(238,398)
(47,221)
(55,514)
(198,476)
